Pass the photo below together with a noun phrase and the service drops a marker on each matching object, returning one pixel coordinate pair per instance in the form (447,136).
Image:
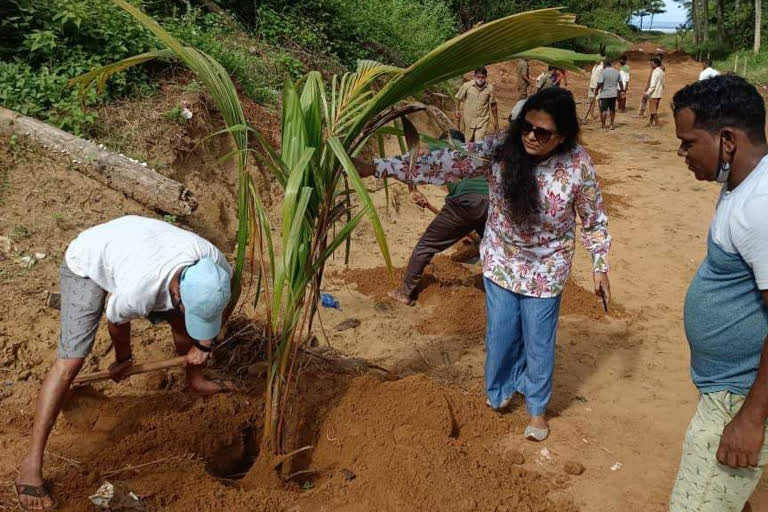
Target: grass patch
(19,233)
(753,67)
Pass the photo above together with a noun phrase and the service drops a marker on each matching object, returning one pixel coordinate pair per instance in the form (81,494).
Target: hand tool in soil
(605,302)
(589,110)
(136,369)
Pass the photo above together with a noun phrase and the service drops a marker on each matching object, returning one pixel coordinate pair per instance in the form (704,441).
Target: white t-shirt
(740,225)
(134,259)
(708,73)
(624,77)
(656,89)
(596,69)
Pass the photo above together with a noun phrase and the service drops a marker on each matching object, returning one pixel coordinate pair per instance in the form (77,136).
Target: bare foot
(401,297)
(30,475)
(207,387)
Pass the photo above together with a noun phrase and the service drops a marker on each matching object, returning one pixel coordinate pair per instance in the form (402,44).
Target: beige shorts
(703,484)
(475,134)
(653,105)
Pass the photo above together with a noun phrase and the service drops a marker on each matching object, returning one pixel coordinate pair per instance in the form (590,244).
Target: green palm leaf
(485,44)
(365,199)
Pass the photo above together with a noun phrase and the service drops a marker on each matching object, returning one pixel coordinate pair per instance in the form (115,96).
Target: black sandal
(35,491)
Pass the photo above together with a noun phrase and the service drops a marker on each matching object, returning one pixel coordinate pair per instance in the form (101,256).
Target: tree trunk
(758,23)
(720,27)
(705,19)
(117,172)
(695,20)
(650,25)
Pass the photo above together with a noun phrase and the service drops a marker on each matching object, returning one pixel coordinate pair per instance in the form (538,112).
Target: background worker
(624,73)
(644,102)
(592,94)
(465,211)
(476,102)
(559,77)
(146,266)
(720,123)
(523,78)
(655,91)
(707,70)
(608,88)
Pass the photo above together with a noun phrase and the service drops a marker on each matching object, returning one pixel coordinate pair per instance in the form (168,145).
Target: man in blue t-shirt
(721,126)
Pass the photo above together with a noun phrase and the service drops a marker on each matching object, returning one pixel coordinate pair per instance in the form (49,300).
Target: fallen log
(136,369)
(133,179)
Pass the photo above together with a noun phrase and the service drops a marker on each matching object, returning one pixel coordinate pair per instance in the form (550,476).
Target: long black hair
(518,175)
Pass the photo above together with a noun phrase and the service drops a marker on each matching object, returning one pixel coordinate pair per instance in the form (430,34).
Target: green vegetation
(43,44)
(19,233)
(751,66)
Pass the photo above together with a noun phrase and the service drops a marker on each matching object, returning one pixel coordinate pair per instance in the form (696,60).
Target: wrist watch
(202,347)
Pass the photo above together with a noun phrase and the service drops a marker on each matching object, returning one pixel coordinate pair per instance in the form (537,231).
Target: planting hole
(231,461)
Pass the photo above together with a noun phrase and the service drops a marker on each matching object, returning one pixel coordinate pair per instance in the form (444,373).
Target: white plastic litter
(116,497)
(27,261)
(616,466)
(186,113)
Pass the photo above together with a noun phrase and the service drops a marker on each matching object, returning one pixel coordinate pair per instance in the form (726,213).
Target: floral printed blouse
(534,258)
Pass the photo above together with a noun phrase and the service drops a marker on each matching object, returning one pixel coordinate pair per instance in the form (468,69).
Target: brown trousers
(460,216)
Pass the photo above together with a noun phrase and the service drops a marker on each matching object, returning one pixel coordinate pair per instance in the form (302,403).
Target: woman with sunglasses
(540,179)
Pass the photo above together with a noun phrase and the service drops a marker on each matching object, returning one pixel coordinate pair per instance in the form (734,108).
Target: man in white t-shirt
(131,267)
(655,91)
(707,70)
(720,123)
(592,94)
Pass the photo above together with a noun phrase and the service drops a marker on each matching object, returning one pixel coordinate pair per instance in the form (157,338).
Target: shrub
(52,41)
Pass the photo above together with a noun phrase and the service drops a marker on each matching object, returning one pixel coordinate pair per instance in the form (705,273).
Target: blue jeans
(520,346)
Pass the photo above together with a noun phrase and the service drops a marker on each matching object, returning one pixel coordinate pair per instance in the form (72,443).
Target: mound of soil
(454,296)
(413,444)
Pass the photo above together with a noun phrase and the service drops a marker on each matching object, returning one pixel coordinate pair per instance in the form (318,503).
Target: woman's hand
(602,285)
(418,198)
(364,168)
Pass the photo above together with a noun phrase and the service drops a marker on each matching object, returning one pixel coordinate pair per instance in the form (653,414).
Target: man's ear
(728,136)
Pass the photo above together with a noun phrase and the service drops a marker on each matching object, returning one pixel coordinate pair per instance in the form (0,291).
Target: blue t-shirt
(726,320)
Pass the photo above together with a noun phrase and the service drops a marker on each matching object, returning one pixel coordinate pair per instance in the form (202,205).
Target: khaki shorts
(653,105)
(475,134)
(703,484)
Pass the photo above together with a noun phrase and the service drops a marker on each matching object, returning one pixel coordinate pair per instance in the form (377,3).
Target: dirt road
(623,392)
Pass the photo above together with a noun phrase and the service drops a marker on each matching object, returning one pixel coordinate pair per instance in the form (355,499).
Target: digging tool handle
(136,369)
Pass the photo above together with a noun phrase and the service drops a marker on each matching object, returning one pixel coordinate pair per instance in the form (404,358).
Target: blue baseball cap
(204,289)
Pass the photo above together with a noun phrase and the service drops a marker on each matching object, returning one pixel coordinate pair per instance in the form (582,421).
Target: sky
(675,12)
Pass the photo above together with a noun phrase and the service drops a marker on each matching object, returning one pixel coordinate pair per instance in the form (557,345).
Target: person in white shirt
(592,94)
(655,91)
(131,267)
(708,71)
(624,74)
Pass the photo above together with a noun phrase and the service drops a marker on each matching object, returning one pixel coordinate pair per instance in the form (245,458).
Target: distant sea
(661,26)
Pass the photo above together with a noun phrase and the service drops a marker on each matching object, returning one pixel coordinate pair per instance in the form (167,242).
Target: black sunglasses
(542,134)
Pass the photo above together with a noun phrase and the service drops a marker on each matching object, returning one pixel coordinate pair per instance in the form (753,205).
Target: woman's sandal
(35,491)
(536,434)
